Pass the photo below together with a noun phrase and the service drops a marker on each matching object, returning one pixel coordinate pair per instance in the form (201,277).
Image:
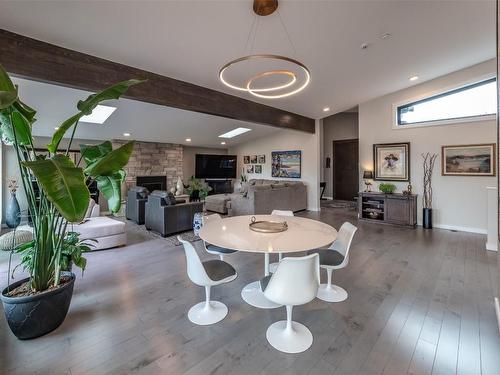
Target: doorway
(345,169)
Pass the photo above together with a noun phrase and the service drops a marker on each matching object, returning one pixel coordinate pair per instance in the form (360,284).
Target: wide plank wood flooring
(420,302)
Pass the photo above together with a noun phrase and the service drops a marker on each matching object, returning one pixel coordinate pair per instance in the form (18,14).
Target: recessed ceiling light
(413,78)
(326,109)
(234,132)
(188,139)
(98,115)
(385,36)
(364,45)
(126,134)
(223,143)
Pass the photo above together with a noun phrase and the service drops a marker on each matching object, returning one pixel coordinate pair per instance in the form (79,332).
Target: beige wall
(189,158)
(459,202)
(337,127)
(285,140)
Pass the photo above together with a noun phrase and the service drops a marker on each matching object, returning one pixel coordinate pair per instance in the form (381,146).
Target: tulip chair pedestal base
(331,293)
(253,295)
(294,339)
(204,315)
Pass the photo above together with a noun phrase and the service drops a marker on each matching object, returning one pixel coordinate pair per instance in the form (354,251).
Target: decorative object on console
(246,159)
(261,159)
(428,163)
(367,176)
(249,169)
(286,164)
(253,159)
(468,160)
(13,212)
(179,187)
(258,169)
(387,188)
(391,161)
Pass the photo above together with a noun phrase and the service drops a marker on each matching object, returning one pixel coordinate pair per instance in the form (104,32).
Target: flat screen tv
(215,166)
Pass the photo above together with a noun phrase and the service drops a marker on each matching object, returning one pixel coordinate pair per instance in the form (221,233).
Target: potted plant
(38,304)
(197,189)
(387,188)
(428,163)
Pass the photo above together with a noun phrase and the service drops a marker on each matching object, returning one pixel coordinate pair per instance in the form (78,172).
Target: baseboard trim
(491,246)
(461,229)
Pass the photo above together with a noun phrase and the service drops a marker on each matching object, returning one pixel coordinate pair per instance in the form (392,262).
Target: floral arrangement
(13,185)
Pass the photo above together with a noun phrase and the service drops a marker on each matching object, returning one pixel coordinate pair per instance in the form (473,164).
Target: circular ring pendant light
(264,8)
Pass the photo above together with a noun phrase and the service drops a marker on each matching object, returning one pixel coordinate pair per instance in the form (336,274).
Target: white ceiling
(191,40)
(145,122)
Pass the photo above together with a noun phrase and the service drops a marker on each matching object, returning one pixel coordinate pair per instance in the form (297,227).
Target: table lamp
(367,176)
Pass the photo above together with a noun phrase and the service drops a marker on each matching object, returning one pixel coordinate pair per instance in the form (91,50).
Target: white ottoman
(107,231)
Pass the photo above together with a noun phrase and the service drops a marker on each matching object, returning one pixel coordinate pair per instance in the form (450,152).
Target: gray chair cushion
(329,257)
(219,249)
(218,269)
(265,282)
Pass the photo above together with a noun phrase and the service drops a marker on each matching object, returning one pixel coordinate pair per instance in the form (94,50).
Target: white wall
(287,140)
(458,202)
(189,158)
(340,126)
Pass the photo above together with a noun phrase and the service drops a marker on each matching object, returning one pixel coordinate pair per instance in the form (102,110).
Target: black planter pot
(427,218)
(34,316)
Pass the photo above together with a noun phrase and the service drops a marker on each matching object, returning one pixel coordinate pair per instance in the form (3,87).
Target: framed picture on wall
(258,169)
(261,159)
(246,159)
(253,159)
(391,161)
(468,160)
(249,169)
(286,164)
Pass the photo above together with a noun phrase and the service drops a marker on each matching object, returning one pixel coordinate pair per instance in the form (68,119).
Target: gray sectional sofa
(260,196)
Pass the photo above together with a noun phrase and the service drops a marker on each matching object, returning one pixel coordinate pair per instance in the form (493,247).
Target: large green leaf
(86,106)
(91,153)
(110,187)
(21,125)
(63,184)
(112,162)
(8,92)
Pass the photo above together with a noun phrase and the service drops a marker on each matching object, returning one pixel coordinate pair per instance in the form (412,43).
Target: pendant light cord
(287,33)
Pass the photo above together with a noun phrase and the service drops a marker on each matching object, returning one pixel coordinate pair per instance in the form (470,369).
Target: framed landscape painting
(391,161)
(468,160)
(286,164)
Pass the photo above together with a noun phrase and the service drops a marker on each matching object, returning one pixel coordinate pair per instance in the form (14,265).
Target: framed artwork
(391,161)
(468,160)
(246,159)
(286,164)
(249,168)
(253,159)
(261,159)
(258,169)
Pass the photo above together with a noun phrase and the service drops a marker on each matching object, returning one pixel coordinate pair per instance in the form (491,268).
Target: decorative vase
(180,187)
(13,212)
(197,222)
(427,218)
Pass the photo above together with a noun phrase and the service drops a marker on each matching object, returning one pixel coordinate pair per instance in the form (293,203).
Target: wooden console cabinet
(395,209)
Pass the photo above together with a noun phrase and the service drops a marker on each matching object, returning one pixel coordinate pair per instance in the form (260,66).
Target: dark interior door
(345,169)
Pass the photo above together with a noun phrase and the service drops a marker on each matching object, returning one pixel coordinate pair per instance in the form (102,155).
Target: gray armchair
(137,197)
(165,218)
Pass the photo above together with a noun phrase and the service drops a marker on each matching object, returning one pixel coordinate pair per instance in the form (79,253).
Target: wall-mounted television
(215,166)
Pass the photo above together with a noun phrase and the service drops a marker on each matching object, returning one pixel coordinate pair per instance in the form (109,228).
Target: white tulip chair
(294,283)
(208,274)
(273,266)
(213,249)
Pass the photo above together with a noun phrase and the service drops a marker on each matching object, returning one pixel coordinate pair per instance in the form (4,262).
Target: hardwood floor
(420,302)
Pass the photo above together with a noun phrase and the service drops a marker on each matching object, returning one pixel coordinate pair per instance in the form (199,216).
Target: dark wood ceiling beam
(36,60)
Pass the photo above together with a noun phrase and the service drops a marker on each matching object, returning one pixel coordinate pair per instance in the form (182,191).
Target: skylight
(98,115)
(234,133)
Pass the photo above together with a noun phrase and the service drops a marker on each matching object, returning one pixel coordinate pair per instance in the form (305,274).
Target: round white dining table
(234,233)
